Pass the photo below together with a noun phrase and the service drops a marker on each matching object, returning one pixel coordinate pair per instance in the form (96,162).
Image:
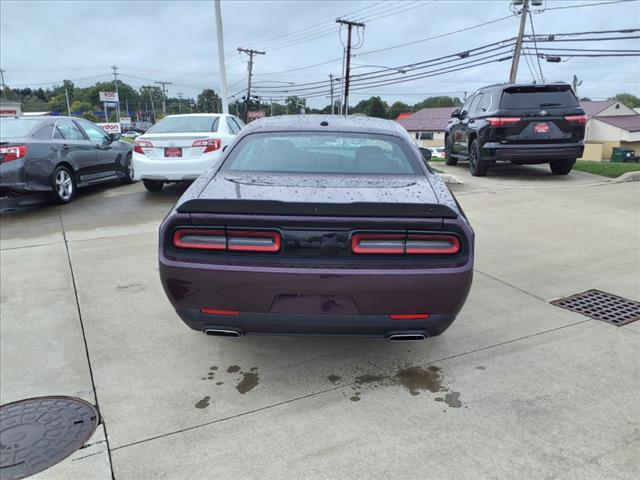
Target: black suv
(523,124)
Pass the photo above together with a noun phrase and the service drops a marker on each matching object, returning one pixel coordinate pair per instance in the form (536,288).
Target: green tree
(397,108)
(295,104)
(208,101)
(58,103)
(89,116)
(628,99)
(371,107)
(31,103)
(439,101)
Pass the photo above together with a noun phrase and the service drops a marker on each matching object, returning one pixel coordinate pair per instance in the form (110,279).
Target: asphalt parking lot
(516,388)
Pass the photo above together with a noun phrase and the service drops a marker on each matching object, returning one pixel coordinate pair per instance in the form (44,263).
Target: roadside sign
(108,96)
(8,112)
(125,120)
(110,127)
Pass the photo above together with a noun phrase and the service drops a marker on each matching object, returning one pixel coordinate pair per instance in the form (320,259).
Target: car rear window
(305,152)
(17,127)
(185,125)
(532,97)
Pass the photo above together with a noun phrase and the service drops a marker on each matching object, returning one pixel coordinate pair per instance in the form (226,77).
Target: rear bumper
(15,179)
(531,154)
(308,324)
(145,168)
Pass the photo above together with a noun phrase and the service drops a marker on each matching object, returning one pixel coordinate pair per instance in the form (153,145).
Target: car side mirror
(426,153)
(114,136)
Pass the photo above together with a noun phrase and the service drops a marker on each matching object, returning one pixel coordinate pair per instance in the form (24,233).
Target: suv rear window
(340,153)
(532,97)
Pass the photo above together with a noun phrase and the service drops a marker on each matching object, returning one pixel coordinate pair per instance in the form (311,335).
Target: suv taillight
(578,119)
(209,144)
(502,121)
(13,152)
(400,243)
(140,145)
(231,240)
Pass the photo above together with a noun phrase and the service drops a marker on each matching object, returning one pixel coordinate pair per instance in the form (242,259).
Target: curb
(627,177)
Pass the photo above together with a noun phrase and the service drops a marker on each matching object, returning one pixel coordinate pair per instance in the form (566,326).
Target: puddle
(334,378)
(204,403)
(416,379)
(248,382)
(368,378)
(481,367)
(233,369)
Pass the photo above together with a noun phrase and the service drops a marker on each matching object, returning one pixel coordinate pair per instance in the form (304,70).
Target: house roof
(427,119)
(404,115)
(630,123)
(593,108)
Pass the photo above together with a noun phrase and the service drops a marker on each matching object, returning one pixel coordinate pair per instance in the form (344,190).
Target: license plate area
(173,152)
(541,127)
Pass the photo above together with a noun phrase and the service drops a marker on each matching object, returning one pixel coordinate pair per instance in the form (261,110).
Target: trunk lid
(175,146)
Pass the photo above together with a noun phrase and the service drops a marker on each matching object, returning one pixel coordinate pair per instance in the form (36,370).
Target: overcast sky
(44,42)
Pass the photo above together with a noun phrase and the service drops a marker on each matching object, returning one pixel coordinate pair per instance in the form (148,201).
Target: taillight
(409,316)
(214,311)
(432,244)
(578,119)
(401,243)
(502,121)
(140,145)
(389,243)
(253,241)
(200,239)
(209,144)
(231,240)
(13,153)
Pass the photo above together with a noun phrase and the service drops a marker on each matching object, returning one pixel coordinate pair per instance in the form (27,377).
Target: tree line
(148,100)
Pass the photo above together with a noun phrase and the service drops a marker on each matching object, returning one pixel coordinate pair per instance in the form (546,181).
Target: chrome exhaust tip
(404,337)
(214,332)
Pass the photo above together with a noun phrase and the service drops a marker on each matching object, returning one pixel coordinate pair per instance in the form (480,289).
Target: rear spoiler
(357,209)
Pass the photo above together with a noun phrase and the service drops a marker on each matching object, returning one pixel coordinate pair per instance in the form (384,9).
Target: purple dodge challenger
(318,225)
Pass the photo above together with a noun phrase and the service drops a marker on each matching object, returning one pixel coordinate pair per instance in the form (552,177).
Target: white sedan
(181,147)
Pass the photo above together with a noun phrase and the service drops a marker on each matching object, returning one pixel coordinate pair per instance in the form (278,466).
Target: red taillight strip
(502,121)
(579,119)
(209,144)
(140,145)
(214,311)
(358,247)
(409,316)
(453,248)
(217,240)
(257,246)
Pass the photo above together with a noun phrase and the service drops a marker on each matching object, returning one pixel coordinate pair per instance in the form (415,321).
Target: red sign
(173,152)
(8,112)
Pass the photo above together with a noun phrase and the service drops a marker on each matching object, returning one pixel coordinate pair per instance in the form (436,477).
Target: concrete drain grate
(602,306)
(39,432)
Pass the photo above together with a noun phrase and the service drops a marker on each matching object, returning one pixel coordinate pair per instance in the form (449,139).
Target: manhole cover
(602,306)
(39,432)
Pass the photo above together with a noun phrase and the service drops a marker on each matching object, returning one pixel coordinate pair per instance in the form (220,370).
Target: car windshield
(339,153)
(187,124)
(533,97)
(17,127)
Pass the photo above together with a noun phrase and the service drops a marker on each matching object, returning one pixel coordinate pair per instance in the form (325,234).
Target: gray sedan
(56,155)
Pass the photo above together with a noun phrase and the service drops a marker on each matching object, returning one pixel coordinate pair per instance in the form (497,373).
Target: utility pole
(221,65)
(179,102)
(576,83)
(4,86)
(331,90)
(115,77)
(516,54)
(251,53)
(153,107)
(66,95)
(350,24)
(164,97)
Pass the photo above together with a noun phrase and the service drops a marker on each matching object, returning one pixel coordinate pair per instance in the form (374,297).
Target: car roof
(516,85)
(329,123)
(195,115)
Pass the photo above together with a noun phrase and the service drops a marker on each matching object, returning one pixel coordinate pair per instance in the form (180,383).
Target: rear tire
(562,167)
(153,185)
(448,150)
(128,176)
(63,185)
(477,167)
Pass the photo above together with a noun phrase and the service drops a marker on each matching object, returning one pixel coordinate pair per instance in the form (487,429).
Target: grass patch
(606,169)
(127,139)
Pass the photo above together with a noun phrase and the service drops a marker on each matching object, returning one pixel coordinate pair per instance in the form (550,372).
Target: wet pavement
(516,388)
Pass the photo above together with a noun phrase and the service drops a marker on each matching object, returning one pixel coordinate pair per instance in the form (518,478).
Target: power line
(535,44)
(164,96)
(583,5)
(251,53)
(347,72)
